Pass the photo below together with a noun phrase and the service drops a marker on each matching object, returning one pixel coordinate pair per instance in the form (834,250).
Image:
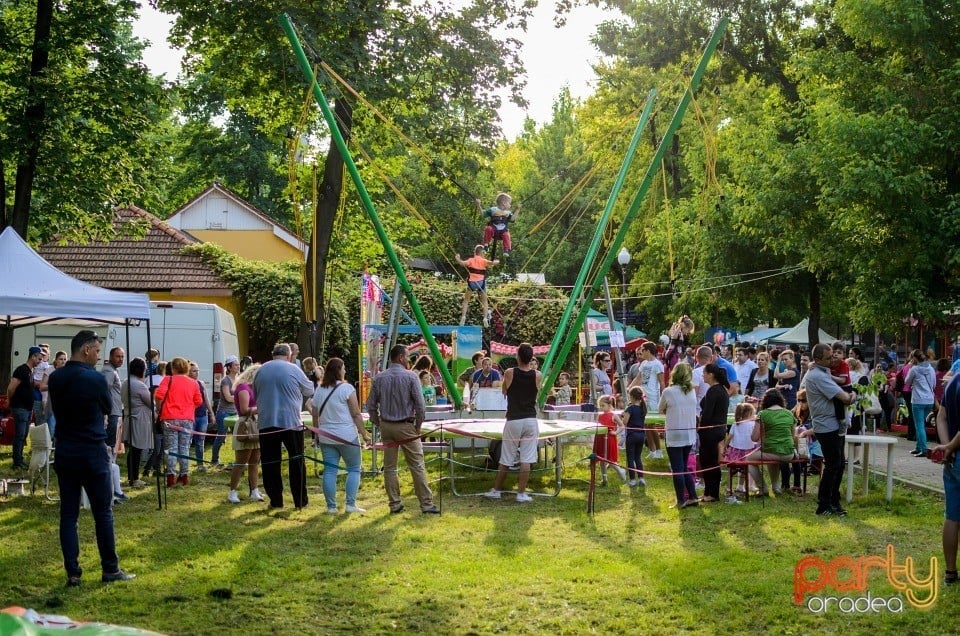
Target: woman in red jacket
(178,396)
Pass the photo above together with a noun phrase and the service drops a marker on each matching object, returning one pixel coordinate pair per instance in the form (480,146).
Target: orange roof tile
(151,263)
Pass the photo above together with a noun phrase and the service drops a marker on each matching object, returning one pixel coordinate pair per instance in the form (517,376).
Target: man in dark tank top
(521,432)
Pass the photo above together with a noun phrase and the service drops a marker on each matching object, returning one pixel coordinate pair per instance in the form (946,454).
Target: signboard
(617,339)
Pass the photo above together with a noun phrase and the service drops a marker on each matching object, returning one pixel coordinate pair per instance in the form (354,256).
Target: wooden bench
(741,468)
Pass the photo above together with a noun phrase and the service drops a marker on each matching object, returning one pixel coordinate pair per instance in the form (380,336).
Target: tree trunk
(813,325)
(329,201)
(3,198)
(33,119)
(675,165)
(34,113)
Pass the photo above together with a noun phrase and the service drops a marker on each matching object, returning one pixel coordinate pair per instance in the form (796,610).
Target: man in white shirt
(744,365)
(704,357)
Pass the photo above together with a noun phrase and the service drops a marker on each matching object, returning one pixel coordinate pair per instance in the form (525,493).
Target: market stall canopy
(34,291)
(798,335)
(599,323)
(762,335)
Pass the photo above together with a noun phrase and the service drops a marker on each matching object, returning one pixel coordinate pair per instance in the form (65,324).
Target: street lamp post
(623,257)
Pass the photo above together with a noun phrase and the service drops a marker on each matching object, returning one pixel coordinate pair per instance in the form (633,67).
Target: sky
(553,58)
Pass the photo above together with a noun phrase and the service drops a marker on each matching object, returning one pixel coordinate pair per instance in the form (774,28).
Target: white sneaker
(632,483)
(657,454)
(333,511)
(523,497)
(233,497)
(486,323)
(622,473)
(492,494)
(255,495)
(356,510)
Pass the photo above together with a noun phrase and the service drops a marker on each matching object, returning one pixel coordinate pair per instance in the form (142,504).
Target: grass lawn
(482,567)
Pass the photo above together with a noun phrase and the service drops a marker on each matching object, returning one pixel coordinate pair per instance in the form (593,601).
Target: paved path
(916,472)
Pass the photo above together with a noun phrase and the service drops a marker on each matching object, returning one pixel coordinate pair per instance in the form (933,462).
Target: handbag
(246,429)
(803,448)
(157,421)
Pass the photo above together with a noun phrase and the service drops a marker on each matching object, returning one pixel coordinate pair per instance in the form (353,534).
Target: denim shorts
(951,488)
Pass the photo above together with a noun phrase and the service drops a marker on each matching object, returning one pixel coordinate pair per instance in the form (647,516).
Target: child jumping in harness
(477,282)
(499,216)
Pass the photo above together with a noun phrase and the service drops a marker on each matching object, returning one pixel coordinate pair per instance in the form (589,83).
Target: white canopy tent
(798,335)
(34,291)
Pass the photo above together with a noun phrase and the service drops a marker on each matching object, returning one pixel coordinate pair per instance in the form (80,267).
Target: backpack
(492,460)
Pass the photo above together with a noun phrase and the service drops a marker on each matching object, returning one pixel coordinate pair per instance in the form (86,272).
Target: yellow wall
(256,245)
(229,303)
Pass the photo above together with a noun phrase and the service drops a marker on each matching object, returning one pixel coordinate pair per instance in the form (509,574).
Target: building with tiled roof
(218,215)
(145,257)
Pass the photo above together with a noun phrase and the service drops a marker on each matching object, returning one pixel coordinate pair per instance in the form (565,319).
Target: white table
(867,441)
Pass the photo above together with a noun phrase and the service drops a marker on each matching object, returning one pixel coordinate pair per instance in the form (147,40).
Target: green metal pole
(337,137)
(548,362)
(652,171)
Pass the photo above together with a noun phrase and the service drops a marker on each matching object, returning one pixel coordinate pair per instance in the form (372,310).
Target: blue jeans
(920,413)
(682,479)
(332,453)
(52,426)
(155,457)
(220,438)
(200,433)
(86,466)
(113,421)
(951,489)
(21,426)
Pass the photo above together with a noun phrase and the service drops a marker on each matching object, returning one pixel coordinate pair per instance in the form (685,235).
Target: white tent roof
(33,291)
(798,335)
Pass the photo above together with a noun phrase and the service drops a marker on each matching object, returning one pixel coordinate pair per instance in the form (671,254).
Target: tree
(834,123)
(75,103)
(436,69)
(563,182)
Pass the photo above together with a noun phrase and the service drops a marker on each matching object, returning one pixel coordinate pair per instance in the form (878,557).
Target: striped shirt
(395,396)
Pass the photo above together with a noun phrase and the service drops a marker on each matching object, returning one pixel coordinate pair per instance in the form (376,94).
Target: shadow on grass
(468,570)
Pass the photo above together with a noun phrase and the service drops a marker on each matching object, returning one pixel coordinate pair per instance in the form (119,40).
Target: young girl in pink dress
(605,444)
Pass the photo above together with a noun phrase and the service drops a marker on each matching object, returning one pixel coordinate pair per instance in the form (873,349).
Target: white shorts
(520,439)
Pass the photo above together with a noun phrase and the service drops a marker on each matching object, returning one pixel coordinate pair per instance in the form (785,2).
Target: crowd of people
(790,406)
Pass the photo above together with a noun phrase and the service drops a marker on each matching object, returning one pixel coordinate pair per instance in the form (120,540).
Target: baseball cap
(34,351)
(231,360)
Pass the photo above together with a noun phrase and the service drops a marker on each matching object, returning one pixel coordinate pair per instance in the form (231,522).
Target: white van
(202,332)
